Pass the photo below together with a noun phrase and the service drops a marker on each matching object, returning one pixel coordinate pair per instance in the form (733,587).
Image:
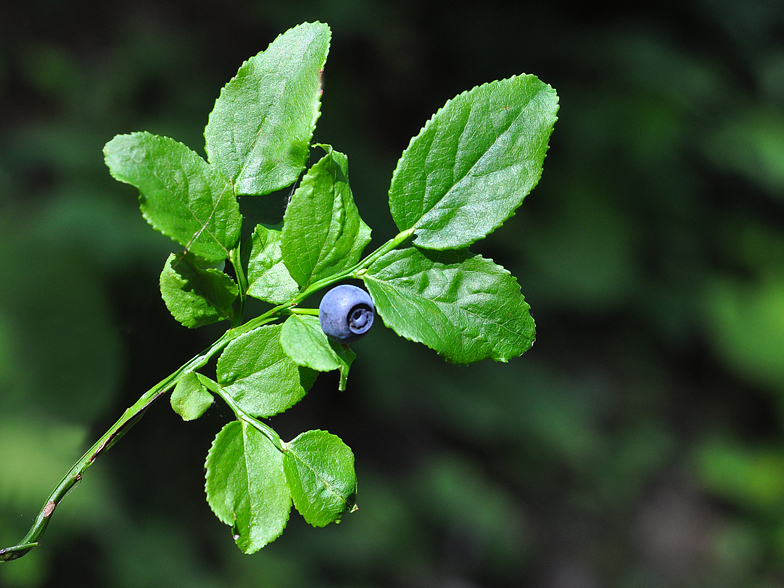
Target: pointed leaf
(258,374)
(246,485)
(196,296)
(473,163)
(461,305)
(322,230)
(259,132)
(268,278)
(180,194)
(306,344)
(320,472)
(190,399)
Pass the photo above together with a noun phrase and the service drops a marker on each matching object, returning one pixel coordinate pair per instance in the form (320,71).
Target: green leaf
(246,485)
(259,132)
(322,230)
(258,374)
(306,344)
(473,163)
(190,399)
(196,296)
(461,305)
(320,472)
(268,278)
(181,195)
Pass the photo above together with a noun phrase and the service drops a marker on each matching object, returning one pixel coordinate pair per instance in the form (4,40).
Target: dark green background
(638,444)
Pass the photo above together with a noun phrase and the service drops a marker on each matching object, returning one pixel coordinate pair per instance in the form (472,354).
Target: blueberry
(346,313)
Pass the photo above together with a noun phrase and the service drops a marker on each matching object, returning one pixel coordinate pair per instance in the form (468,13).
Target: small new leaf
(258,374)
(259,132)
(190,399)
(268,278)
(196,296)
(246,485)
(320,472)
(459,304)
(473,163)
(306,344)
(322,230)
(180,194)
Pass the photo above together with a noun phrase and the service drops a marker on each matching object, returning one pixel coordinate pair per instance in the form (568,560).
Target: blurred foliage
(638,444)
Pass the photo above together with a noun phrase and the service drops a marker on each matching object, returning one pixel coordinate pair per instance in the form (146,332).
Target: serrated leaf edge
(503,358)
(447,105)
(329,486)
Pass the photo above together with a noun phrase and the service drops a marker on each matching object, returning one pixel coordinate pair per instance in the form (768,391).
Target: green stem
(135,412)
(308,311)
(241,415)
(109,438)
(393,243)
(242,283)
(356,271)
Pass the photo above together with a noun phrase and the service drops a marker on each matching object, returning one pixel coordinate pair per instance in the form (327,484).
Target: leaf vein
(321,478)
(468,172)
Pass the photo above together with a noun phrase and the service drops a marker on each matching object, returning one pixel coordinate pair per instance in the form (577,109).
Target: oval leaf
(459,304)
(320,472)
(258,374)
(322,230)
(306,344)
(246,485)
(196,296)
(473,163)
(268,278)
(190,399)
(259,132)
(180,194)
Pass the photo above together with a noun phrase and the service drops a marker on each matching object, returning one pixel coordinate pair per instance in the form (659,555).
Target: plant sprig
(459,179)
